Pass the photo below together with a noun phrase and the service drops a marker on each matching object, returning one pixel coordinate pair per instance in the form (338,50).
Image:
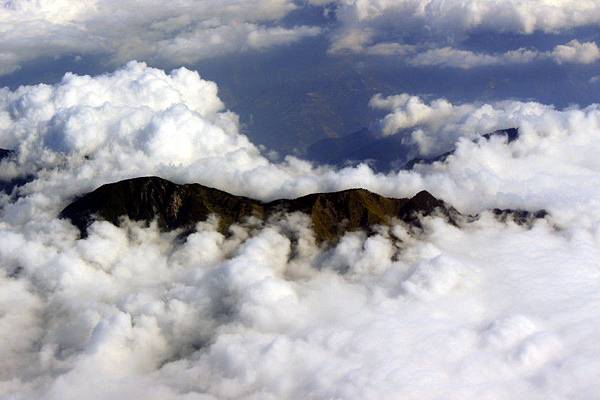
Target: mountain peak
(176,206)
(332,214)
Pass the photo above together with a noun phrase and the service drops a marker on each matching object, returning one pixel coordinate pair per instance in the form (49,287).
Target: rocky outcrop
(520,217)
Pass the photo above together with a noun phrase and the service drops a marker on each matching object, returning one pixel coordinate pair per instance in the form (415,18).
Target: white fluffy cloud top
(489,310)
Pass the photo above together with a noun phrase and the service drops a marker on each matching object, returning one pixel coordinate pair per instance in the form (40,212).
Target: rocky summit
(176,206)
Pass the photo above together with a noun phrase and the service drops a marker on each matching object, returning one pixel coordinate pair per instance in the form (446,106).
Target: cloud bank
(185,32)
(489,310)
(169,34)
(426,32)
(455,16)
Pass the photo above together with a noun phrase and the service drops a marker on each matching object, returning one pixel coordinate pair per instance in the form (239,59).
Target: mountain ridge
(182,206)
(332,214)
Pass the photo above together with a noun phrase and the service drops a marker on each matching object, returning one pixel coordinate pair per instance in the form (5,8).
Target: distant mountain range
(511,135)
(383,153)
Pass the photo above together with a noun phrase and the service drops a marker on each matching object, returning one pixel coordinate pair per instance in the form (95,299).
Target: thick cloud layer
(489,310)
(476,313)
(492,312)
(168,33)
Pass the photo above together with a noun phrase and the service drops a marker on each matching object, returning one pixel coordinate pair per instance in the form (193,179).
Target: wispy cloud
(170,34)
